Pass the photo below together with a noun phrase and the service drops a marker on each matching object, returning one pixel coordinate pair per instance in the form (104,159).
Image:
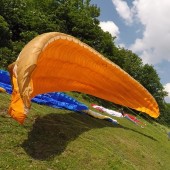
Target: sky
(142,26)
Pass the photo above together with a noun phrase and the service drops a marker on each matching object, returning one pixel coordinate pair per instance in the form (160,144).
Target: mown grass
(55,139)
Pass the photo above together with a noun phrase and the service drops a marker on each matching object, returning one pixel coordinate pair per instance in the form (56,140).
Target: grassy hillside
(54,139)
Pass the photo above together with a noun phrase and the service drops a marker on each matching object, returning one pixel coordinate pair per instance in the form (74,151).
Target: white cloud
(167,88)
(123,10)
(153,47)
(111,27)
(121,45)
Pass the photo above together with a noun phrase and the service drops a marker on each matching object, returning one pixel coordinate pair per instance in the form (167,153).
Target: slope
(56,139)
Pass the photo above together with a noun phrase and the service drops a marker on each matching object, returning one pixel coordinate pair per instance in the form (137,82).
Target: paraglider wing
(58,62)
(2,90)
(108,111)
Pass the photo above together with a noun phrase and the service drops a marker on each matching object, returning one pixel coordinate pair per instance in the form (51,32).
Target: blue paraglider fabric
(56,99)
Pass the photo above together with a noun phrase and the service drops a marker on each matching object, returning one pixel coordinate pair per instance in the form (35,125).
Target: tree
(5,34)
(151,81)
(13,11)
(79,18)
(5,55)
(128,61)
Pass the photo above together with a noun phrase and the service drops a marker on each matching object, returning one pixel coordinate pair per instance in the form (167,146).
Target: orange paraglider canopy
(58,62)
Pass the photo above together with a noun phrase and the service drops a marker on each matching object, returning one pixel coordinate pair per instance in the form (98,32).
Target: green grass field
(55,139)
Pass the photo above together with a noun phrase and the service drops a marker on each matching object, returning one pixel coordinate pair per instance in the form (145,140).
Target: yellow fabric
(16,108)
(96,115)
(2,90)
(58,62)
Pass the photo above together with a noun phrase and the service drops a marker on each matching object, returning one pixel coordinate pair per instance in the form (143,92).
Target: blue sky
(142,26)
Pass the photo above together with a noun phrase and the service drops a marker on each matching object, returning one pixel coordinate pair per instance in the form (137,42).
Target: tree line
(22,20)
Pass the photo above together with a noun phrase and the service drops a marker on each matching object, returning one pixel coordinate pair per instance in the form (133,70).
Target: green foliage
(129,62)
(151,81)
(165,115)
(27,36)
(79,19)
(13,11)
(5,33)
(36,21)
(5,55)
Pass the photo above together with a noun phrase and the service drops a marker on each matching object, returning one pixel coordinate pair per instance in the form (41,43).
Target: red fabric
(132,118)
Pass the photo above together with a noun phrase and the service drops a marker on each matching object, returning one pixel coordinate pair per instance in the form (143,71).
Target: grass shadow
(51,134)
(148,136)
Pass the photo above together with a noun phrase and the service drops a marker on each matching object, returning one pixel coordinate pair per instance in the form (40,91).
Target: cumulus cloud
(110,27)
(123,10)
(153,15)
(153,47)
(167,88)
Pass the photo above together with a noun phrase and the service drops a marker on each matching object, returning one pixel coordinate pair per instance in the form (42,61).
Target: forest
(22,20)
